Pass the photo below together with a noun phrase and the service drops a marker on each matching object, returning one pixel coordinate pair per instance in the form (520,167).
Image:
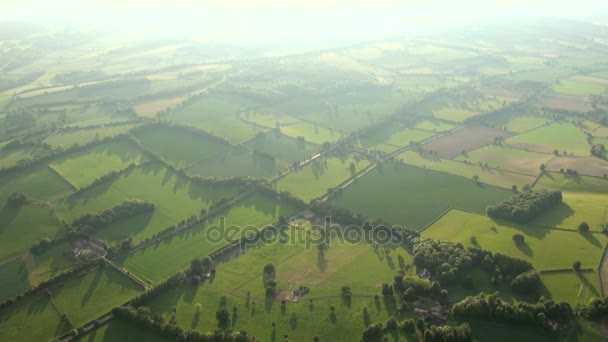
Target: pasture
(85,136)
(574,103)
(393,136)
(282,147)
(256,210)
(23,226)
(312,133)
(180,147)
(487,175)
(175,198)
(509,159)
(575,288)
(435,125)
(557,136)
(314,179)
(581,86)
(466,139)
(84,297)
(81,168)
(34,319)
(117,330)
(37,183)
(546,249)
(151,108)
(10,157)
(412,196)
(519,123)
(573,183)
(238,162)
(589,166)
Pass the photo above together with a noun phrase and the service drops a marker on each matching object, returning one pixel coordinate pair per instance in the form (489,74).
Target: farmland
(558,136)
(466,139)
(83,136)
(395,180)
(282,147)
(238,162)
(508,159)
(393,136)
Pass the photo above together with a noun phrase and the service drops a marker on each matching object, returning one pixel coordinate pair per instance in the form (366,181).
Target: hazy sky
(267,19)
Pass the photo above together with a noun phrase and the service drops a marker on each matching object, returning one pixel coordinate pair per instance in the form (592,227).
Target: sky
(264,20)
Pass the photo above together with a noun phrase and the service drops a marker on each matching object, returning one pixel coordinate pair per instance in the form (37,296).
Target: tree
(542,167)
(352,167)
(269,270)
(223,318)
(519,239)
(514,188)
(576,266)
(583,227)
(16,200)
(476,178)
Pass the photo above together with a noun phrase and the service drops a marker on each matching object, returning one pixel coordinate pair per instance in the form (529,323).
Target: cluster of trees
(156,323)
(41,246)
(598,150)
(526,283)
(16,200)
(341,215)
(525,206)
(57,280)
(596,310)
(428,333)
(492,307)
(447,260)
(88,223)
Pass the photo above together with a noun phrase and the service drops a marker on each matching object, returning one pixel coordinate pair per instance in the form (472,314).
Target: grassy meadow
(557,136)
(238,162)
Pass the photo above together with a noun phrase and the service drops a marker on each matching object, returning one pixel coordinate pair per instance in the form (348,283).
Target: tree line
(525,206)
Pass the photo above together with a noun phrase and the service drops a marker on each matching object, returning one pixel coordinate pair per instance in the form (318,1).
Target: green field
(238,162)
(557,136)
(579,87)
(509,159)
(519,124)
(562,181)
(21,227)
(40,183)
(454,114)
(34,319)
(394,136)
(282,147)
(314,179)
(84,136)
(117,330)
(412,196)
(175,198)
(11,156)
(311,133)
(435,125)
(185,148)
(544,248)
(572,287)
(177,252)
(86,297)
(83,167)
(218,115)
(487,175)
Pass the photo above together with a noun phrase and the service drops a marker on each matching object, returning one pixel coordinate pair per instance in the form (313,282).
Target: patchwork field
(175,198)
(519,124)
(83,298)
(487,175)
(557,136)
(556,180)
(151,108)
(590,166)
(40,183)
(34,319)
(83,167)
(282,147)
(466,139)
(86,135)
(545,248)
(181,147)
(392,137)
(567,102)
(312,133)
(575,288)
(581,85)
(238,162)
(10,157)
(509,159)
(314,179)
(435,125)
(177,252)
(412,196)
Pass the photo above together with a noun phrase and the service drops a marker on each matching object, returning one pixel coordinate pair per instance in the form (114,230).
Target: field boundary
(438,218)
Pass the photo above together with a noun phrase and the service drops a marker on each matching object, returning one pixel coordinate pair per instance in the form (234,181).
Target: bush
(583,227)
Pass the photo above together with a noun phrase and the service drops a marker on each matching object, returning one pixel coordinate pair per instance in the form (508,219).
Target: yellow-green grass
(176,252)
(282,147)
(601,132)
(86,135)
(393,135)
(4,100)
(239,162)
(88,296)
(581,87)
(557,136)
(83,167)
(151,108)
(34,319)
(435,125)
(181,147)
(509,159)
(39,183)
(21,227)
(546,249)
(218,115)
(412,196)
(10,157)
(563,181)
(521,124)
(588,166)
(580,331)
(118,330)
(314,179)
(454,114)
(346,325)
(175,199)
(572,287)
(24,271)
(577,207)
(269,117)
(489,175)
(311,133)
